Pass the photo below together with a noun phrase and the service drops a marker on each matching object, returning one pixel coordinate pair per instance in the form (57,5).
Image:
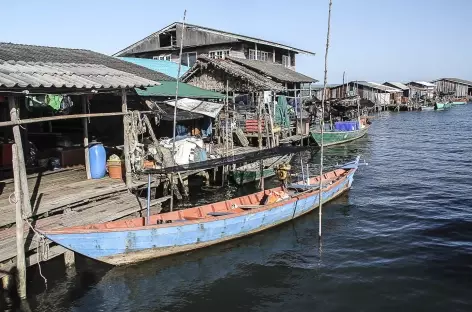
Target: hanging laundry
(54,101)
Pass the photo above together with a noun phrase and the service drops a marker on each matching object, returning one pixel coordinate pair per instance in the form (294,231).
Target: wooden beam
(21,157)
(20,240)
(124,109)
(86,140)
(63,117)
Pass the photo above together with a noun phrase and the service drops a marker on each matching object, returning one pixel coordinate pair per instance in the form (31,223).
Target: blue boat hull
(126,246)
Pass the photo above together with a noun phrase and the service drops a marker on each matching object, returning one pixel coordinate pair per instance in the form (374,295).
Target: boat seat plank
(219,213)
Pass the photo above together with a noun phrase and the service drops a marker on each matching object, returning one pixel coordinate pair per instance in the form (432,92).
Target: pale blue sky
(374,40)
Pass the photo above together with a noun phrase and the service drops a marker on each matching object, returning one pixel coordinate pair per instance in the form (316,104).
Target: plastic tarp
(281,112)
(346,125)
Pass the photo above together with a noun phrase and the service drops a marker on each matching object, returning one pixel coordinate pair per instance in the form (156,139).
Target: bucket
(115,169)
(148,164)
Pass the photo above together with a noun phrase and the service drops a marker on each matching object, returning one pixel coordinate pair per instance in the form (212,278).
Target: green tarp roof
(167,89)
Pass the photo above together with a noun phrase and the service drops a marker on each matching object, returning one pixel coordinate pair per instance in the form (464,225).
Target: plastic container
(98,159)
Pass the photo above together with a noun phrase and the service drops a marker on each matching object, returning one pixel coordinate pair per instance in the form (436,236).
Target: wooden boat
(442,105)
(251,172)
(129,241)
(459,101)
(339,137)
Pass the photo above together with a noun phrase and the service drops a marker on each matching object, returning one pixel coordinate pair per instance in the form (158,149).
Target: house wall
(446,86)
(237,49)
(195,37)
(215,79)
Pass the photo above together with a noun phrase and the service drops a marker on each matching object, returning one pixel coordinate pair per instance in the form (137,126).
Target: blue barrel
(98,160)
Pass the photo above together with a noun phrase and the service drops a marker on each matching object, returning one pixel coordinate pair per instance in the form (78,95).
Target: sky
(372,40)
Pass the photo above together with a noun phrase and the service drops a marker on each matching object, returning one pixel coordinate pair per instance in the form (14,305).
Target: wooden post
(86,140)
(259,128)
(20,240)
(271,122)
(124,109)
(69,259)
(21,158)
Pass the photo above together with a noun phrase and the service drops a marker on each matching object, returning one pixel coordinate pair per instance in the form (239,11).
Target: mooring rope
(41,242)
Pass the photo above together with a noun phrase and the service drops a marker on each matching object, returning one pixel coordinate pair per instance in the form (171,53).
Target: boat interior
(228,208)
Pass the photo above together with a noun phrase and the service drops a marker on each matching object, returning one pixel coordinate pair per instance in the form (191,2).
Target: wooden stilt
(21,157)
(20,240)
(69,259)
(86,140)
(124,108)
(259,130)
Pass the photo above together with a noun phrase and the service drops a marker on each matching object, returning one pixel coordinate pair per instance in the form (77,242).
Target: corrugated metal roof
(31,53)
(66,75)
(166,67)
(167,89)
(398,85)
(457,80)
(210,109)
(425,83)
(375,85)
(277,71)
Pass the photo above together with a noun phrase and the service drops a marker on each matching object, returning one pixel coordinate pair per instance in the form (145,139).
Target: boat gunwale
(330,131)
(294,198)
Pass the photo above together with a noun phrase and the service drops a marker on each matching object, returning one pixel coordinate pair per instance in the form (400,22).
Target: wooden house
(459,87)
(165,43)
(420,89)
(380,95)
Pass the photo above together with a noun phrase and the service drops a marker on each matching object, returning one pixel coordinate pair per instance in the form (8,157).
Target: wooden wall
(446,86)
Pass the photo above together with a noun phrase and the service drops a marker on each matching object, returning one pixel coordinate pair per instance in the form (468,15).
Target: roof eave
(219,32)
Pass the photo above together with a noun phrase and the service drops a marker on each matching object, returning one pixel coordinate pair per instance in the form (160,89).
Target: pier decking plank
(57,191)
(117,207)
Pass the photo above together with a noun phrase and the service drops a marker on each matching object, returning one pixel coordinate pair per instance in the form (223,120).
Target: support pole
(21,158)
(86,140)
(126,124)
(175,112)
(271,123)
(259,130)
(20,241)
(320,196)
(148,202)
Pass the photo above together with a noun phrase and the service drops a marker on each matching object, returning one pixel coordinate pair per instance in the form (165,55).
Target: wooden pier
(60,199)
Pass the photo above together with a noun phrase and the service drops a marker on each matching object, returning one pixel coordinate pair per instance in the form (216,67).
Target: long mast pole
(175,111)
(320,200)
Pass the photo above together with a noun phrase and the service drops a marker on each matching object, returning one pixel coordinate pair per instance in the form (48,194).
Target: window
(286,60)
(189,58)
(219,54)
(164,57)
(261,55)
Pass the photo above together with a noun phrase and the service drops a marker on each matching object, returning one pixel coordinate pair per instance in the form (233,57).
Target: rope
(41,243)
(320,196)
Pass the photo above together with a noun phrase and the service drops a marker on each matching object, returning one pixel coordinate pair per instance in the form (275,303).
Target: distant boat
(251,172)
(427,108)
(442,105)
(128,241)
(338,136)
(459,101)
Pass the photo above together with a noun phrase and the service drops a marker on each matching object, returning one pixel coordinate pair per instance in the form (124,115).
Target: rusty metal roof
(21,74)
(277,71)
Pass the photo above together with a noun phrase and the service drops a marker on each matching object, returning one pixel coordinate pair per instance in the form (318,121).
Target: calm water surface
(400,239)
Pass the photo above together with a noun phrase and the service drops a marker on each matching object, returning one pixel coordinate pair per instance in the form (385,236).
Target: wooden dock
(63,199)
